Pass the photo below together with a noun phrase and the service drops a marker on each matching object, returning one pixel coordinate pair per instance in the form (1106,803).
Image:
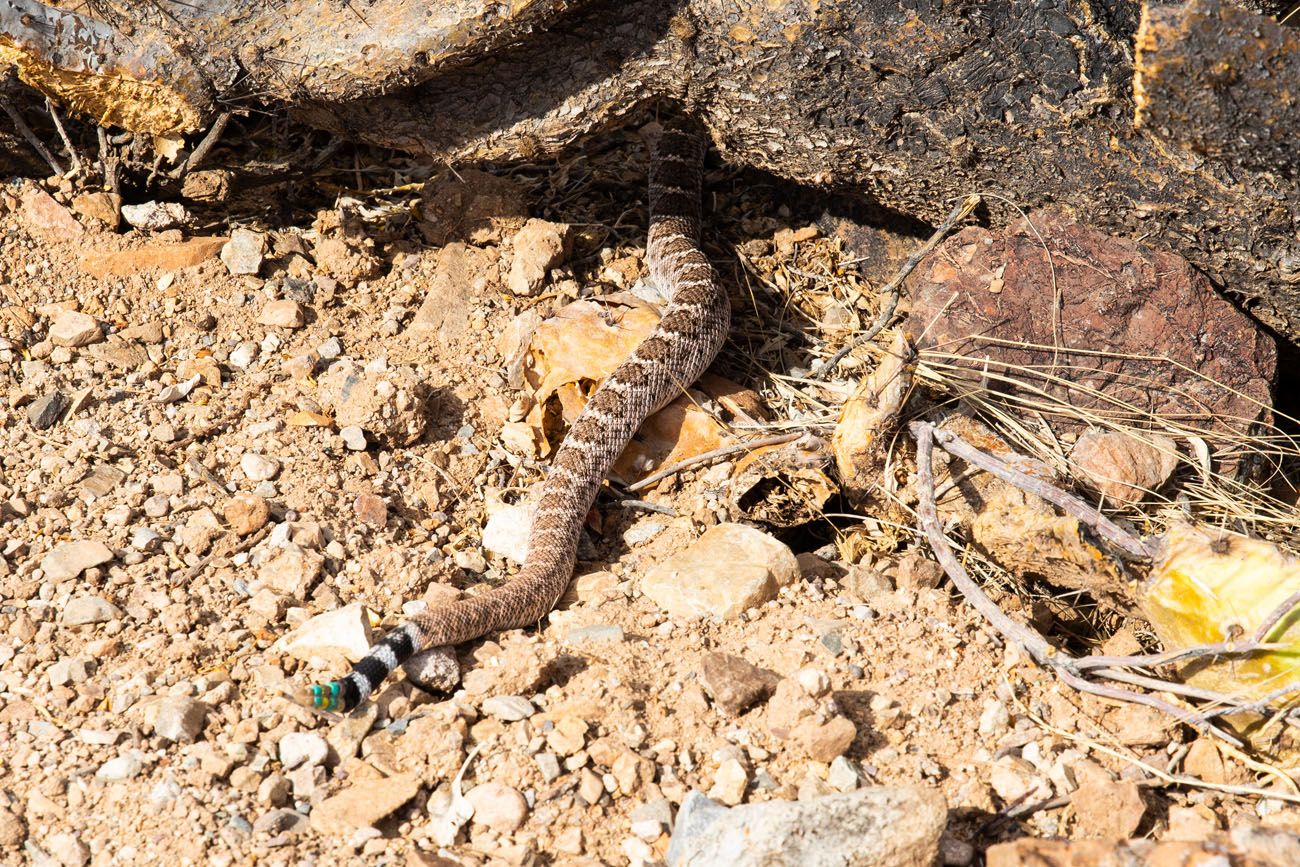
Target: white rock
(156,216)
(498,806)
(243,355)
(506,532)
(83,610)
(121,768)
(729,569)
(302,748)
(70,559)
(344,630)
(508,708)
(259,468)
(354,438)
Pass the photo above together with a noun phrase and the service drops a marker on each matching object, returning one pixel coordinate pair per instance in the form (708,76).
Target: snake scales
(670,359)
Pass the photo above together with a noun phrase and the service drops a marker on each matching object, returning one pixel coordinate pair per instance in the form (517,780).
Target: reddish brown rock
(1116,307)
(160,257)
(1123,467)
(45,217)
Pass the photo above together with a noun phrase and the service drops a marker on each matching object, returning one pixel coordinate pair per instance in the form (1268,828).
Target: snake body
(684,343)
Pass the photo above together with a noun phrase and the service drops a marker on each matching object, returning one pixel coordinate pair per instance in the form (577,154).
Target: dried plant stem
(1103,526)
(1065,665)
(200,153)
(26,132)
(63,134)
(891,289)
(704,457)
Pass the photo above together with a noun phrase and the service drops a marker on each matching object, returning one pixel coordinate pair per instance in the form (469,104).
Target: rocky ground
(233,451)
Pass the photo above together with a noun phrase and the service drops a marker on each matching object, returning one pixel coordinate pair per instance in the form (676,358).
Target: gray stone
(70,559)
(596,632)
(880,827)
(651,819)
(180,718)
(354,438)
(549,765)
(302,748)
(508,708)
(83,610)
(123,767)
(280,821)
(436,669)
(45,412)
(243,253)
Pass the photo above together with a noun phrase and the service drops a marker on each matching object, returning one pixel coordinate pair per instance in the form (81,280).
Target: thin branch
(1065,665)
(703,457)
(63,134)
(200,153)
(1077,508)
(26,132)
(891,289)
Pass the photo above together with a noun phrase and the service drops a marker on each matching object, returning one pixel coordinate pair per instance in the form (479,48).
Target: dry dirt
(936,698)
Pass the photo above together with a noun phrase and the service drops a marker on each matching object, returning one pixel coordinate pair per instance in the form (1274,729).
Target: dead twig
(891,289)
(63,134)
(720,452)
(26,132)
(1103,526)
(1065,665)
(200,153)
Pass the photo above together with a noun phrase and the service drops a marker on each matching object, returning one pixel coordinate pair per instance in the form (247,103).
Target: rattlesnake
(682,345)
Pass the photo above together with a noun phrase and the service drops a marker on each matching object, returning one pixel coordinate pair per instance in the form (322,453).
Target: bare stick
(63,134)
(26,132)
(891,289)
(1103,526)
(1030,641)
(200,153)
(721,452)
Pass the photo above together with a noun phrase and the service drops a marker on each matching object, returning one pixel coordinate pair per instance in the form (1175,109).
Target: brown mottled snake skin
(682,345)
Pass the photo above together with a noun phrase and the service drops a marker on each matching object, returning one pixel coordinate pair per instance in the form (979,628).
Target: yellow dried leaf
(302,418)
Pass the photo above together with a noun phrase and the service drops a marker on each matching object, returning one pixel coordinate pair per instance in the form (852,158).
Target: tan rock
(363,804)
(71,328)
(282,314)
(729,569)
(246,513)
(539,247)
(1121,466)
(44,216)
